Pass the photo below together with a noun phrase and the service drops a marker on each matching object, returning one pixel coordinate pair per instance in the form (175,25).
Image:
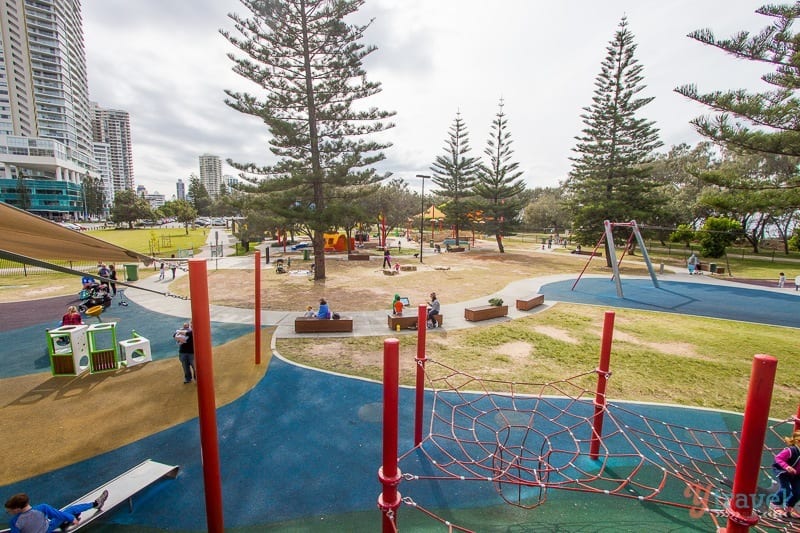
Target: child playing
(781,279)
(309,312)
(785,467)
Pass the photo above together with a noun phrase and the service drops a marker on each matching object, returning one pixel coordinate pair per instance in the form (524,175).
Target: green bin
(132,271)
(712,267)
(305,254)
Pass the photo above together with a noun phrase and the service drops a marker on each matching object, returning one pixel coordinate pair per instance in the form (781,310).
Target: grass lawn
(656,357)
(161,242)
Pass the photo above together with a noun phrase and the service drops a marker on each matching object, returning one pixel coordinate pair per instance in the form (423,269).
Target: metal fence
(13,268)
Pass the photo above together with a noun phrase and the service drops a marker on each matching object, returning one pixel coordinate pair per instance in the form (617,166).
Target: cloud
(165,63)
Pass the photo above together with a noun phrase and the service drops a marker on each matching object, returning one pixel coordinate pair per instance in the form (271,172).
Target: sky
(166,63)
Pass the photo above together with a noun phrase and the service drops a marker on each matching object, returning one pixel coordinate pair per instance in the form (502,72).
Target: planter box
(408,321)
(485,312)
(322,325)
(526,304)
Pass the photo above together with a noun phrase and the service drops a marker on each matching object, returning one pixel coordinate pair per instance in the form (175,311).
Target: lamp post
(423,177)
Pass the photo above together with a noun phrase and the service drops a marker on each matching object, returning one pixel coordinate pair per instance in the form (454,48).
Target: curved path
(305,443)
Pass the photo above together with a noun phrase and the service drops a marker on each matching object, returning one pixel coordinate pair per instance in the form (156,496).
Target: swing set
(608,238)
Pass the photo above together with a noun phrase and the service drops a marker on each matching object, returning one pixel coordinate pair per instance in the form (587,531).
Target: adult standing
(185,340)
(172,265)
(692,263)
(387,258)
(112,275)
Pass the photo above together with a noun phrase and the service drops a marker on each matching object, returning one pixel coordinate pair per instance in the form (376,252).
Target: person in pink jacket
(786,465)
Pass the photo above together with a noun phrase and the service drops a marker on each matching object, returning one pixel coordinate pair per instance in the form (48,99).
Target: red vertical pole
(257,318)
(206,403)
(419,405)
(388,474)
(602,380)
(748,462)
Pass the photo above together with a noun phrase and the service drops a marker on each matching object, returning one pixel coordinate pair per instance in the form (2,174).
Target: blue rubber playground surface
(301,450)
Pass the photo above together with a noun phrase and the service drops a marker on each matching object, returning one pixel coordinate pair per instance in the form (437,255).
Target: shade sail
(29,235)
(432,212)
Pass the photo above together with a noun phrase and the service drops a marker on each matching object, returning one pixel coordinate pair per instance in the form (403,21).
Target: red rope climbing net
(535,437)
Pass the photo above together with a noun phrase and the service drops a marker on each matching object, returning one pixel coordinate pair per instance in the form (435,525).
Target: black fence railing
(14,268)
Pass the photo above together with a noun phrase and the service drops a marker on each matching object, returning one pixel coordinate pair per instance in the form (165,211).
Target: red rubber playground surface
(301,451)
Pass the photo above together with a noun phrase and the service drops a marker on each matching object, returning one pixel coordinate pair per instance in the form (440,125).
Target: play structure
(337,242)
(75,349)
(537,437)
(608,238)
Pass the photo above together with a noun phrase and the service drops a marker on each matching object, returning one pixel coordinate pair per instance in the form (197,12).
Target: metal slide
(122,488)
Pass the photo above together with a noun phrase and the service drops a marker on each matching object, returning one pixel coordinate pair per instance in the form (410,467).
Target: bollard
(398,327)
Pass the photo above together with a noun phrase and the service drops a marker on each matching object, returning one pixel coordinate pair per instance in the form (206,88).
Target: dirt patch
(556,333)
(362,285)
(674,348)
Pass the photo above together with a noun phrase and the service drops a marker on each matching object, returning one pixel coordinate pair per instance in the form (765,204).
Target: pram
(96,294)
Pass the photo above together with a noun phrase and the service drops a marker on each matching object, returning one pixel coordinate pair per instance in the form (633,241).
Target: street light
(423,177)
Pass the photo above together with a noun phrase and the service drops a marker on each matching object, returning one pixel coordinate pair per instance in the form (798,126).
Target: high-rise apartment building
(113,126)
(180,190)
(45,124)
(211,173)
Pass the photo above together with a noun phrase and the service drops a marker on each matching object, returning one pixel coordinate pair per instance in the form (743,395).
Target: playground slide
(122,488)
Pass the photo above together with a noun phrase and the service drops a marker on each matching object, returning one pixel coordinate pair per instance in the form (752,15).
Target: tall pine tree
(455,175)
(499,186)
(610,177)
(767,121)
(308,63)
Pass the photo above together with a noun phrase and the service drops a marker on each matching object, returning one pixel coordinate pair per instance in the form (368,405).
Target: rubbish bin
(305,254)
(132,271)
(712,267)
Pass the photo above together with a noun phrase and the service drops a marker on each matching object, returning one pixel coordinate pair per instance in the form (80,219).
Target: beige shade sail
(432,212)
(22,233)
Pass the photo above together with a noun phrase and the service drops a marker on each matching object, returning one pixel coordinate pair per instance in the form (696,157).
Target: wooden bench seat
(322,325)
(408,321)
(485,312)
(358,257)
(587,252)
(526,304)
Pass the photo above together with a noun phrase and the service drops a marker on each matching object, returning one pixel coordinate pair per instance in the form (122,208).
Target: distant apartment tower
(211,173)
(113,126)
(45,124)
(102,156)
(180,190)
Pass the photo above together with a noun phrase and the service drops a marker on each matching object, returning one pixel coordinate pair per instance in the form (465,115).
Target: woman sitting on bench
(324,311)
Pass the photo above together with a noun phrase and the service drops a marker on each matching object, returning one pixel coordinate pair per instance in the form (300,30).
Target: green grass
(161,242)
(656,357)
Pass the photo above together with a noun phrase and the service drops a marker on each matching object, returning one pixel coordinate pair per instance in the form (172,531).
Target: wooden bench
(587,252)
(485,312)
(526,304)
(408,321)
(408,268)
(322,325)
(358,257)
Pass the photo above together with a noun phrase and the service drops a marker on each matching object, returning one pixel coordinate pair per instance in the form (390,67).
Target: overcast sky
(165,63)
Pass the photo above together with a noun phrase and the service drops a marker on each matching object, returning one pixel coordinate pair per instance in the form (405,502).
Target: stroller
(96,294)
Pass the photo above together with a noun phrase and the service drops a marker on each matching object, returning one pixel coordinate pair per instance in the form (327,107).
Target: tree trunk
(499,239)
(318,241)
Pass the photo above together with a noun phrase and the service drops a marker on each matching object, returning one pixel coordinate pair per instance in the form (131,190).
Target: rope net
(532,438)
